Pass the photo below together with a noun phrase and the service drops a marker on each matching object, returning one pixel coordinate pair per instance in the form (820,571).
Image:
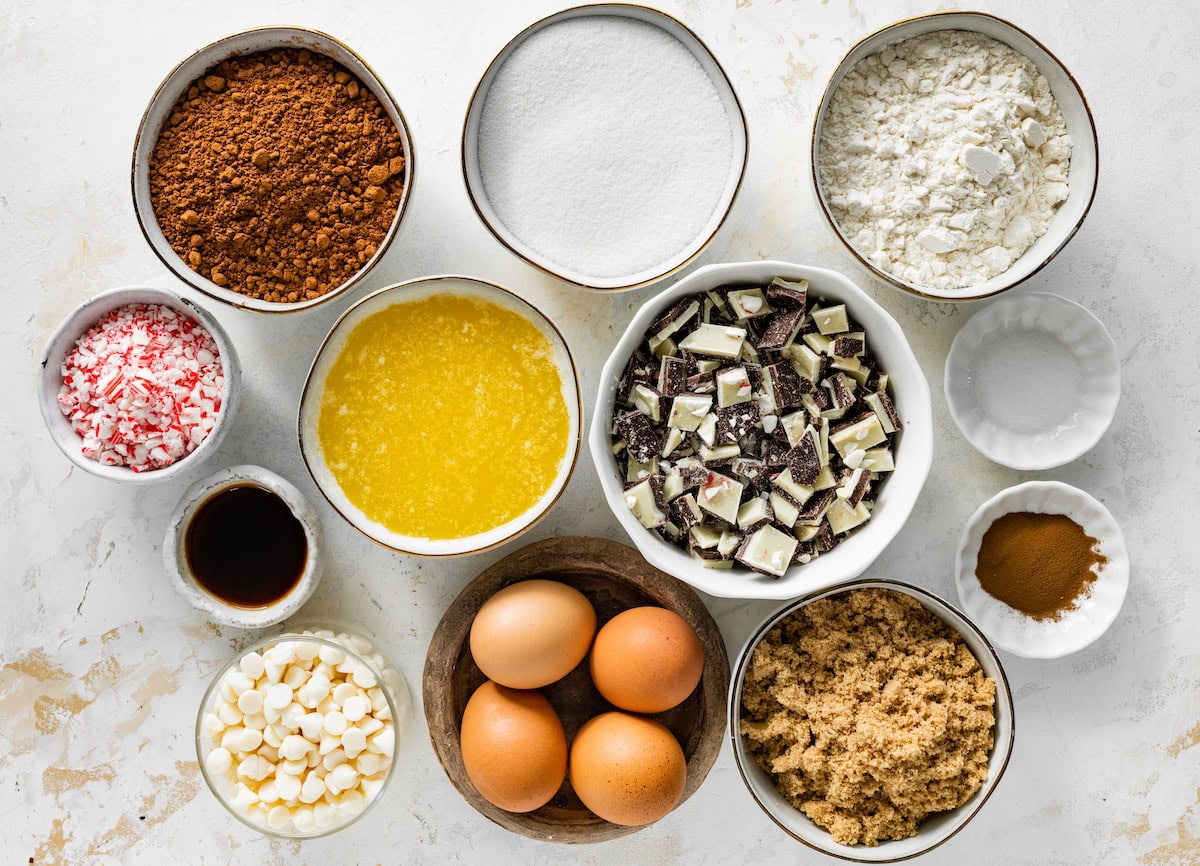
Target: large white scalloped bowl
(1077,627)
(914,448)
(1057,321)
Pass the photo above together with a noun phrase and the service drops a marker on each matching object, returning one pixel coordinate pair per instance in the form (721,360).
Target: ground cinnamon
(277,175)
(1038,563)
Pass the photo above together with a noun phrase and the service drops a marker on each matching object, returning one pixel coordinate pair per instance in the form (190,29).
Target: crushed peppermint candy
(143,387)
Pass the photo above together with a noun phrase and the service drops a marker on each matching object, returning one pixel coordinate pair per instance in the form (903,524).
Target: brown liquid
(245,547)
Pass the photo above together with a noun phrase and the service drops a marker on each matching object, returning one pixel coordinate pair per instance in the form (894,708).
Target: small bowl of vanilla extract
(243,546)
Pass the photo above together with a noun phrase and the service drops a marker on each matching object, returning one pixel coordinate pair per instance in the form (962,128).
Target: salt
(1028,382)
(603,146)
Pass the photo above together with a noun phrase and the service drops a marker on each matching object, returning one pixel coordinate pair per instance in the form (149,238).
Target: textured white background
(103,665)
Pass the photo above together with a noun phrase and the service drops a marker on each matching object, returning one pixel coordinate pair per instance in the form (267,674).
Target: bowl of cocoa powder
(272,169)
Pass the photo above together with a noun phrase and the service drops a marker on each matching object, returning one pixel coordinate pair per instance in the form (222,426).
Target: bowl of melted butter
(441,416)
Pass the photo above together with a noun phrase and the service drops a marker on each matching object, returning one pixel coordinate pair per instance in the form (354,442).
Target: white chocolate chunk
(640,499)
(806,361)
(747,303)
(719,341)
(733,387)
(768,550)
(842,518)
(648,402)
(793,488)
(831,320)
(707,431)
(878,460)
(785,510)
(753,511)
(858,436)
(720,496)
(688,410)
(674,438)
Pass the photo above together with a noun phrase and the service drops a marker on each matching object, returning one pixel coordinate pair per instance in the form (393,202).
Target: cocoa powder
(277,175)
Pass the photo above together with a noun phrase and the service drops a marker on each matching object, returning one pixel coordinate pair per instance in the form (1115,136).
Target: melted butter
(444,417)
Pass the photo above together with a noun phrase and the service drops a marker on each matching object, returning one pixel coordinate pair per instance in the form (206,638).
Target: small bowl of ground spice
(954,155)
(272,169)
(1043,568)
(139,384)
(871,721)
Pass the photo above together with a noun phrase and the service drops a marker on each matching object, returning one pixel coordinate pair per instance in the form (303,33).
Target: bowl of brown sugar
(1043,569)
(272,169)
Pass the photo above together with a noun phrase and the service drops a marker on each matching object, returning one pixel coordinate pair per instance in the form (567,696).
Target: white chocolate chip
(334,723)
(355,708)
(219,761)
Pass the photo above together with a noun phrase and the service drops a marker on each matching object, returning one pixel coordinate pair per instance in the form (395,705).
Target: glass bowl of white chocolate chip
(296,735)
(954,155)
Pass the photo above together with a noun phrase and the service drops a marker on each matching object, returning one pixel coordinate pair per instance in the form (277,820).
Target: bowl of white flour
(954,155)
(604,145)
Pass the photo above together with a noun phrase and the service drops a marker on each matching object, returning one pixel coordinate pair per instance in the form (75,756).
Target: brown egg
(646,660)
(531,633)
(627,769)
(513,747)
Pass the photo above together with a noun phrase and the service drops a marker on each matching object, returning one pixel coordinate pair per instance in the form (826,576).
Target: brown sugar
(277,175)
(870,713)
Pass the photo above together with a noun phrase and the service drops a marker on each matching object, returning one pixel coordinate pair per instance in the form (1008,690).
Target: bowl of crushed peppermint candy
(139,384)
(762,430)
(954,155)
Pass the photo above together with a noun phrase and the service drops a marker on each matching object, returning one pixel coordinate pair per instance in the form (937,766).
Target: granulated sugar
(604,146)
(1027,382)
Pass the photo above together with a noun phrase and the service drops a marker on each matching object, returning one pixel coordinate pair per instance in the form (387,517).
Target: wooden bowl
(614,578)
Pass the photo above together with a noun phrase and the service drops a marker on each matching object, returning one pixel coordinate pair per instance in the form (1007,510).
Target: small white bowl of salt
(604,145)
(1033,381)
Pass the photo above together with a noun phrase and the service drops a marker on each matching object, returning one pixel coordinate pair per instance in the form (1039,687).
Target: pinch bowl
(83,318)
(176,83)
(1061,327)
(1077,115)
(1092,614)
(913,457)
(938,827)
(175,558)
(327,355)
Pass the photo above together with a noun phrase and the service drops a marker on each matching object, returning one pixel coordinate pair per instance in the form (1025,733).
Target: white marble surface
(103,664)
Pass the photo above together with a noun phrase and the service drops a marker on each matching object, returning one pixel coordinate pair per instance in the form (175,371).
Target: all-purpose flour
(604,146)
(944,157)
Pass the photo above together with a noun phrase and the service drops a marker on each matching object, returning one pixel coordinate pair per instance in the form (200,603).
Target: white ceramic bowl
(84,317)
(180,573)
(1093,613)
(177,82)
(314,387)
(934,830)
(545,259)
(1081,127)
(913,452)
(1030,419)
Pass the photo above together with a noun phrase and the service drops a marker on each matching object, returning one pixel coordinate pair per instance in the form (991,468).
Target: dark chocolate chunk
(785,384)
(675,318)
(774,453)
(846,423)
(780,329)
(753,472)
(805,460)
(816,506)
(702,383)
(890,409)
(862,482)
(839,392)
(734,422)
(684,511)
(824,541)
(672,376)
(847,347)
(641,438)
(804,552)
(692,476)
(786,293)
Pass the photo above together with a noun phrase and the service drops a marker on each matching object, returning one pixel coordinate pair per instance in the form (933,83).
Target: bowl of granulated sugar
(605,146)
(954,155)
